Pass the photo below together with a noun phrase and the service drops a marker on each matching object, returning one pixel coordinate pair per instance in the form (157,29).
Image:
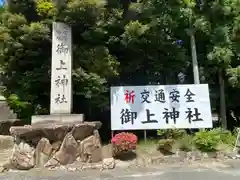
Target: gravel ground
(183,172)
(229,170)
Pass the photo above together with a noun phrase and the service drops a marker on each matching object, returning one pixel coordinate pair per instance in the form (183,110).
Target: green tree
(26,53)
(147,44)
(216,26)
(118,43)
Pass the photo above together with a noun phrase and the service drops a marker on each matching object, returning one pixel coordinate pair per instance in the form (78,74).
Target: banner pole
(145,136)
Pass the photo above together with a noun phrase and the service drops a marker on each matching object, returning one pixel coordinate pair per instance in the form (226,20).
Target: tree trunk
(222,100)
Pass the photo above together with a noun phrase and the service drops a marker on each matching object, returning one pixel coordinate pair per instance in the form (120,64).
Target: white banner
(160,107)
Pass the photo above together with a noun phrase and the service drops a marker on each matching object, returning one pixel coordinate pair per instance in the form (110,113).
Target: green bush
(185,143)
(226,137)
(209,140)
(171,133)
(165,145)
(206,141)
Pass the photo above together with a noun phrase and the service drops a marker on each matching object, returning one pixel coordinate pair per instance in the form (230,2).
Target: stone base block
(66,118)
(54,131)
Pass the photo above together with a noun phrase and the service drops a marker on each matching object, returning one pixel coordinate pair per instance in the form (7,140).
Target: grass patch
(148,142)
(148,147)
(174,140)
(185,143)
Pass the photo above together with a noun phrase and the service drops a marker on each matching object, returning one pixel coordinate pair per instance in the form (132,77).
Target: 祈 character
(129,97)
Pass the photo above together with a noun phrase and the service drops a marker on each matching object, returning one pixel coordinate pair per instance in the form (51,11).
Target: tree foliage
(117,43)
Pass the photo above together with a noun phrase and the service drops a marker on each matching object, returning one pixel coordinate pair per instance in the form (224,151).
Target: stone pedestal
(57,118)
(7,117)
(5,111)
(54,144)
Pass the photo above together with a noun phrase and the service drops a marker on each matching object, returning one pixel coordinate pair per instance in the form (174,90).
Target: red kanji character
(129,97)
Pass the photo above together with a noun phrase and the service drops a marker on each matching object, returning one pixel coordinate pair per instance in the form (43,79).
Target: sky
(1,2)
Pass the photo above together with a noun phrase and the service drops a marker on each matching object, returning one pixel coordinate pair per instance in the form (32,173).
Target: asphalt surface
(174,173)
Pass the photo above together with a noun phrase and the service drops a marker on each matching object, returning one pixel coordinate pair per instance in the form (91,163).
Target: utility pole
(191,33)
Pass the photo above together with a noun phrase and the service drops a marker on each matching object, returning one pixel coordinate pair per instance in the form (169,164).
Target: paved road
(173,173)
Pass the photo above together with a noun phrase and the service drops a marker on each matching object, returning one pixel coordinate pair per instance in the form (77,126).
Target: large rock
(23,156)
(43,152)
(55,147)
(22,160)
(108,163)
(90,148)
(67,153)
(54,132)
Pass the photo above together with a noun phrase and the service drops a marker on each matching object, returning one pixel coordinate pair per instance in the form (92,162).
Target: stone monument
(61,78)
(59,138)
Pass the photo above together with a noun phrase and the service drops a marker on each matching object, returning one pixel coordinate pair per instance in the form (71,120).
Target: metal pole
(145,136)
(236,142)
(194,59)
